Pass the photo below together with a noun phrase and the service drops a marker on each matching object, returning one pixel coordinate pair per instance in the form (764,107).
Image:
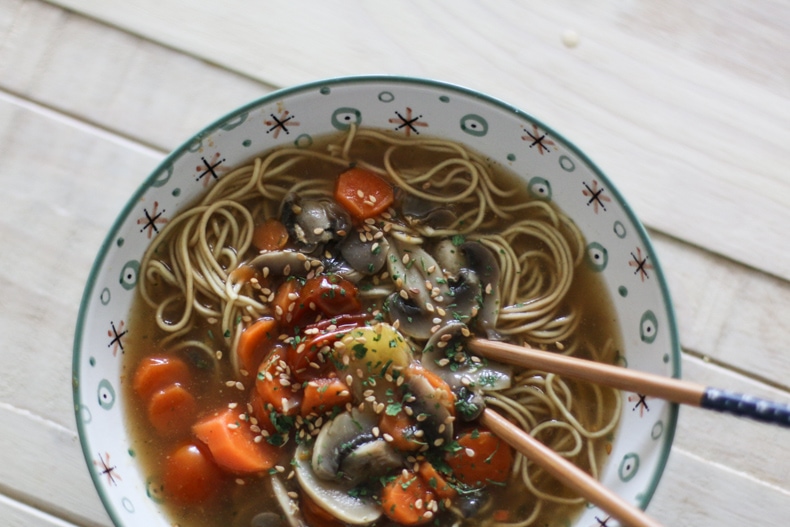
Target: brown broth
(241,498)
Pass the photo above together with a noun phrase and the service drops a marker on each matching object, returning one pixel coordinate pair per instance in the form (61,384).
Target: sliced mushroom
(315,222)
(285,263)
(422,287)
(369,461)
(445,354)
(364,256)
(289,507)
(337,438)
(425,400)
(474,274)
(421,212)
(333,496)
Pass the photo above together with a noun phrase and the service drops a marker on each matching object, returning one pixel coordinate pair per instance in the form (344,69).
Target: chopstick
(670,389)
(566,472)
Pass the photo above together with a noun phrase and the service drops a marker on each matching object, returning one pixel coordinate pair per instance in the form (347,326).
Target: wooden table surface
(685,105)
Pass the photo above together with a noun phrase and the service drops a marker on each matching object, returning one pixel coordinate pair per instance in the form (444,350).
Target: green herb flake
(359,350)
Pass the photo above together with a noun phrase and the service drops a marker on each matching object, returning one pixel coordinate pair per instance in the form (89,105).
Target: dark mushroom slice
(315,222)
(285,263)
(474,273)
(422,212)
(369,461)
(364,256)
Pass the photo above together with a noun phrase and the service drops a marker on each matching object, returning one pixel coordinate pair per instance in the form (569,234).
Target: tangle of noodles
(192,279)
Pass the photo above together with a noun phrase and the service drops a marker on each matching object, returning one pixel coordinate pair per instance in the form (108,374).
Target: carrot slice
(255,343)
(154,373)
(436,481)
(405,499)
(287,306)
(322,395)
(274,383)
(172,410)
(401,428)
(232,443)
(190,476)
(483,458)
(363,193)
(270,235)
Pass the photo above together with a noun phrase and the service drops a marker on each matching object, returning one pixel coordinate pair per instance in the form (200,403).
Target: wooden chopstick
(670,389)
(566,472)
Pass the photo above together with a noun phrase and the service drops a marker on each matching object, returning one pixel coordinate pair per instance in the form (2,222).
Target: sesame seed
(469,452)
(427,514)
(403,294)
(418,504)
(442,312)
(239,481)
(233,426)
(239,386)
(360,194)
(257,439)
(318,230)
(230,383)
(293,495)
(488,289)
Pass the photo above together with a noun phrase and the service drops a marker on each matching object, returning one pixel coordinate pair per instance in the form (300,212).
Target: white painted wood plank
(697,493)
(743,445)
(16,514)
(692,136)
(117,81)
(732,314)
(58,202)
(42,466)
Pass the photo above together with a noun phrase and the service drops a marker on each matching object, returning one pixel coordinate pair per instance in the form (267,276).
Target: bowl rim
(673,408)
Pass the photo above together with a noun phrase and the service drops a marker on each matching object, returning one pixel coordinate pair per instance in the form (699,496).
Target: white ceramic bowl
(553,169)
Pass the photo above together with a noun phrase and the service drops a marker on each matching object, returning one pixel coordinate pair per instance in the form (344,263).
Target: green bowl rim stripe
(361,79)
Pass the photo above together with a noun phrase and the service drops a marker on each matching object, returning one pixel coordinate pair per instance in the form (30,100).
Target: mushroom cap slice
(337,438)
(332,496)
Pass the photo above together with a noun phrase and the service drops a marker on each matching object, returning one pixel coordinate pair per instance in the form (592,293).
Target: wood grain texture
(657,96)
(688,133)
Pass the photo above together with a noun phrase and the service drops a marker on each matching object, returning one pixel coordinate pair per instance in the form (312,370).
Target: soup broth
(341,282)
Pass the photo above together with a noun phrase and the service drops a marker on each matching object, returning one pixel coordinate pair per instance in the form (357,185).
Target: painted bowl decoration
(283,339)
